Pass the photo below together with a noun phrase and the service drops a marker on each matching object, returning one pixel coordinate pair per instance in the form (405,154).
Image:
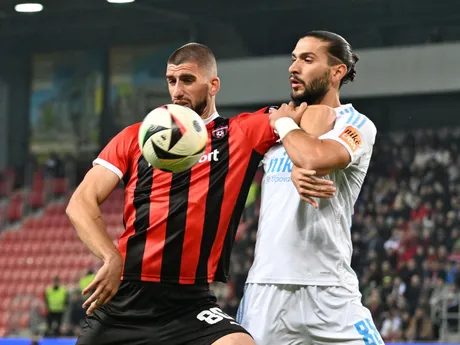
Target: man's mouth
(181,102)
(295,83)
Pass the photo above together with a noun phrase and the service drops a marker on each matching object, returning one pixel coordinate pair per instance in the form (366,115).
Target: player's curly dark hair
(338,49)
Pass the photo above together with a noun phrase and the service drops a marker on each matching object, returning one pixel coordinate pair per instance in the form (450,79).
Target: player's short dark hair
(338,49)
(193,52)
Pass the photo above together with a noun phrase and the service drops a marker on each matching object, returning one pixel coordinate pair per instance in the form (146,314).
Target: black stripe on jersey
(214,199)
(224,261)
(126,178)
(136,243)
(175,227)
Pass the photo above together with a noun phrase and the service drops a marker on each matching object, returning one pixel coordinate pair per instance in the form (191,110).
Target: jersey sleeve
(115,156)
(357,137)
(257,129)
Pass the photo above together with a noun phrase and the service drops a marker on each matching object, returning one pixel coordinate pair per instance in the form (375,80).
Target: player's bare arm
(84,212)
(306,150)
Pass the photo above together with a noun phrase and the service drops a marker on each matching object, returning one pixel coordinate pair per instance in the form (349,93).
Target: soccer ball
(172,138)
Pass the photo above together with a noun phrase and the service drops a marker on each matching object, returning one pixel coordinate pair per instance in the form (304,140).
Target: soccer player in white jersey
(301,288)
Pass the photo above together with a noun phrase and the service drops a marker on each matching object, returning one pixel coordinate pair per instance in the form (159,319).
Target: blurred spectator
(85,281)
(420,327)
(56,300)
(391,327)
(413,293)
(75,315)
(53,165)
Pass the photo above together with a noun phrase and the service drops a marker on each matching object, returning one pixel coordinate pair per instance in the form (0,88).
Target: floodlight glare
(28,7)
(120,1)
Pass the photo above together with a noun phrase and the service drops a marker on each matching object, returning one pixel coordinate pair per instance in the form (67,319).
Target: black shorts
(151,313)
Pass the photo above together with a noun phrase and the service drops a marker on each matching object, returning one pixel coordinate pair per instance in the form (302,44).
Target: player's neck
(331,99)
(208,112)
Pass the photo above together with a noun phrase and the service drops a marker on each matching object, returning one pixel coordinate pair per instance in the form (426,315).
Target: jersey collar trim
(343,107)
(211,118)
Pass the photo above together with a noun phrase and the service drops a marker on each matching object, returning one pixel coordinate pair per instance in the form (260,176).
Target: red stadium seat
(15,209)
(40,290)
(11,290)
(4,319)
(37,200)
(59,186)
(4,302)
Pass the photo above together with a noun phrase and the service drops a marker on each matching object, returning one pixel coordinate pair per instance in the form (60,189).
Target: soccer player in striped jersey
(179,227)
(301,288)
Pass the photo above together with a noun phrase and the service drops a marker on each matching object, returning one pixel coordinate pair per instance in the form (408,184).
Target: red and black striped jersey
(180,227)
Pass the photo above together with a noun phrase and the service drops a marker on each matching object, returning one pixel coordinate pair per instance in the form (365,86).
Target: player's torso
(188,213)
(297,243)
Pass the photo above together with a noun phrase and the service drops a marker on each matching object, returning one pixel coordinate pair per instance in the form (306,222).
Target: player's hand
(105,284)
(288,110)
(309,186)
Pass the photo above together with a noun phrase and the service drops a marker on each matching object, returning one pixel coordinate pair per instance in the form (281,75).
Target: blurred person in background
(420,327)
(392,327)
(303,255)
(75,314)
(85,281)
(56,300)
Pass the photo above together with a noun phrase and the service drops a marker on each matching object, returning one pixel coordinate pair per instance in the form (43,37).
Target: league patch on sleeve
(352,137)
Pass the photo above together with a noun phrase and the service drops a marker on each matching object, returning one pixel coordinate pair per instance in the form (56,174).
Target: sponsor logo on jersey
(220,132)
(211,156)
(352,138)
(280,164)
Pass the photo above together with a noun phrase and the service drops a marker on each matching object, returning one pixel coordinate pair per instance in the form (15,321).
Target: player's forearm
(86,217)
(305,150)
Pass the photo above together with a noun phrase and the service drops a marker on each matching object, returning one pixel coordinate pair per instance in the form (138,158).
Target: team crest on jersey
(220,132)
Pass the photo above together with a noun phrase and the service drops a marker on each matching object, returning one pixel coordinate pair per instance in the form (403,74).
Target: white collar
(343,107)
(211,118)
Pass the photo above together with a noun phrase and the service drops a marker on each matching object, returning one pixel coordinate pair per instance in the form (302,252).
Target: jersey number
(212,316)
(370,334)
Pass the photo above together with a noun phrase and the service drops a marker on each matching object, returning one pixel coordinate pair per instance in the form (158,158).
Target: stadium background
(76,73)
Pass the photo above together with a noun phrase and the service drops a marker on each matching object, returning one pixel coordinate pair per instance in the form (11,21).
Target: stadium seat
(37,200)
(4,319)
(60,186)
(4,301)
(39,289)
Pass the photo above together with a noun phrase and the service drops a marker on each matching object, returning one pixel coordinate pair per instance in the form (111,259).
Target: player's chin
(296,92)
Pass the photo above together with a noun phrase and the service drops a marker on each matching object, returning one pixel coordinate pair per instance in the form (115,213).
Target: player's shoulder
(132,129)
(347,115)
(261,111)
(253,116)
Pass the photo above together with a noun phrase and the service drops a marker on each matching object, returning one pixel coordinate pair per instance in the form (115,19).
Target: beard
(314,92)
(200,106)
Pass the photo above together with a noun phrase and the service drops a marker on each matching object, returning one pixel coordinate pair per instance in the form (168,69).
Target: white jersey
(298,244)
